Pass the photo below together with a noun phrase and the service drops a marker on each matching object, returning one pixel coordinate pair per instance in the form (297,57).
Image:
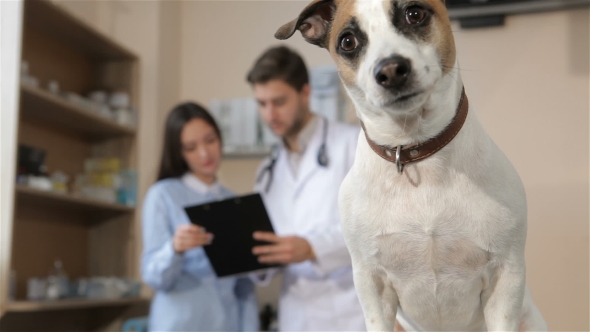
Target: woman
(189,297)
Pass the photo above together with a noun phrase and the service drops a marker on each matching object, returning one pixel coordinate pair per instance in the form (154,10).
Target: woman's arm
(161,266)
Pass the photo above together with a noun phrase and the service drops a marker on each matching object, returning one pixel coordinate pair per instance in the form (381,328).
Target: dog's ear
(314,23)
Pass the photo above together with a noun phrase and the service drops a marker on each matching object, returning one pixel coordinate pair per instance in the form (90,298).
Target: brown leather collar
(415,152)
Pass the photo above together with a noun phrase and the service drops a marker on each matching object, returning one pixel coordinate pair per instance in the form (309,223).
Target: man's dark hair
(279,63)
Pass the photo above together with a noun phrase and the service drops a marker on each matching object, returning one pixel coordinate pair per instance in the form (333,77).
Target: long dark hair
(172,163)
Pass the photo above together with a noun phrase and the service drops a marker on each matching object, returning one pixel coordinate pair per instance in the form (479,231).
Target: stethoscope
(322,157)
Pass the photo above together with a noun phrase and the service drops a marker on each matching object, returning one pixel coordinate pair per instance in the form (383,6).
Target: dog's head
(390,53)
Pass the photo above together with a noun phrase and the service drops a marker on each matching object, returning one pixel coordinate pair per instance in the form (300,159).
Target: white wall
(527,80)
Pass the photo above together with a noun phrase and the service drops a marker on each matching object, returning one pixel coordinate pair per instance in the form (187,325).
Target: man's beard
(299,122)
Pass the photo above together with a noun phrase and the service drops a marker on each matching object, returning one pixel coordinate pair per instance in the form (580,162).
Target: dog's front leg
(503,303)
(377,297)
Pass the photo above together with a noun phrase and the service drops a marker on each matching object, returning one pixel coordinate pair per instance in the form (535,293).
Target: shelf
(245,155)
(51,109)
(58,23)
(34,197)
(252,154)
(33,306)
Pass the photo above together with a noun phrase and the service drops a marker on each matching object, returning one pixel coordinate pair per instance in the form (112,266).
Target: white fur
(384,42)
(445,239)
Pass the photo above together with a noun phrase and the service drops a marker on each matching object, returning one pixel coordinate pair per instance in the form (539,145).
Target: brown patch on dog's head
(320,23)
(362,35)
(435,30)
(444,41)
(314,23)
(344,19)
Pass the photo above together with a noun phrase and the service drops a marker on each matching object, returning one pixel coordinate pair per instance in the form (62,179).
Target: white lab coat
(318,295)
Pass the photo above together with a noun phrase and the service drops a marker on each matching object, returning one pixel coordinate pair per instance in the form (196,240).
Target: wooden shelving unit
(254,154)
(72,32)
(66,202)
(40,105)
(90,237)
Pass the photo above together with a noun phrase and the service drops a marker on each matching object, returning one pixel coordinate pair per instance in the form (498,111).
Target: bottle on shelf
(57,282)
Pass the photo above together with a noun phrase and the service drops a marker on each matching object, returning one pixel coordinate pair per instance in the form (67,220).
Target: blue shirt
(189,296)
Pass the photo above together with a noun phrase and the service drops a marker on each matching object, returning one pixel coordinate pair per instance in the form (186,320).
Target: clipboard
(232,222)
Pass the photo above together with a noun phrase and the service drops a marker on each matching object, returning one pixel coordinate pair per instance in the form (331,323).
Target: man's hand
(282,250)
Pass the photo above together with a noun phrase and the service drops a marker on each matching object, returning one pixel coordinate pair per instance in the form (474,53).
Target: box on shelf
(105,180)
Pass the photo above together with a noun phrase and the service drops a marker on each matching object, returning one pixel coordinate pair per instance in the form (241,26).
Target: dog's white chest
(440,242)
(431,244)
(440,268)
(435,254)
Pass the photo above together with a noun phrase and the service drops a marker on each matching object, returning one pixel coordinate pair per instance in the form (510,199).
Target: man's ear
(314,23)
(305,93)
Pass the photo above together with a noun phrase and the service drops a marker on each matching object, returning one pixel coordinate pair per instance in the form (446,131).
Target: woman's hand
(190,236)
(282,250)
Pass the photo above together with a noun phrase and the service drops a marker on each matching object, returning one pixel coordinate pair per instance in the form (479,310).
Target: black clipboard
(232,222)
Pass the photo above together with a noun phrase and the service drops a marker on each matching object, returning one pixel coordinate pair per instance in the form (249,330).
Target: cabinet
(89,236)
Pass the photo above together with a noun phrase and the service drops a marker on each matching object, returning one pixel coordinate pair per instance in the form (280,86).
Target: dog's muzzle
(392,73)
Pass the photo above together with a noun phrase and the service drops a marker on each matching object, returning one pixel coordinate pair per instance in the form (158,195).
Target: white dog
(434,214)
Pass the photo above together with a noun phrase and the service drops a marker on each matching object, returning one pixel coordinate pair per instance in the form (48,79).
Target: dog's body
(444,240)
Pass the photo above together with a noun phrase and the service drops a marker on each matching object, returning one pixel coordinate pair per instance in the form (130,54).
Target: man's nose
(272,113)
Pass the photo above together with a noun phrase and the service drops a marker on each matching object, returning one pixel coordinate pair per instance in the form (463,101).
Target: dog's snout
(393,72)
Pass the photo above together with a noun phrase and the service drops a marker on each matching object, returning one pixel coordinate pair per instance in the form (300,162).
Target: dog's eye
(415,14)
(348,42)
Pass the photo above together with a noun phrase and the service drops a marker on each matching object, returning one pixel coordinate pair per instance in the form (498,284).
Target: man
(299,184)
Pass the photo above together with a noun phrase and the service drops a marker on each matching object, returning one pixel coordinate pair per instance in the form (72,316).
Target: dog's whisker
(454,77)
(405,120)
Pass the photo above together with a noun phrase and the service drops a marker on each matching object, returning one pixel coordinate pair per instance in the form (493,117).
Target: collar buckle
(398,160)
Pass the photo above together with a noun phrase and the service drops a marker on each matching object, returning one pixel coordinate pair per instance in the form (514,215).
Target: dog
(433,213)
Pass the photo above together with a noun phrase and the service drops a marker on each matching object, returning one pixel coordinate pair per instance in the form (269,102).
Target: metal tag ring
(398,162)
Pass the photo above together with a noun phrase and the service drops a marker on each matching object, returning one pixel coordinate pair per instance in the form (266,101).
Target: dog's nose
(393,72)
